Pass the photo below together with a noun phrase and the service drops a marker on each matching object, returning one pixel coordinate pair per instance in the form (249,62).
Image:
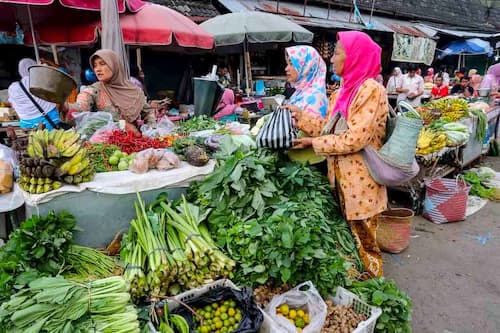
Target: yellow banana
(71,150)
(77,168)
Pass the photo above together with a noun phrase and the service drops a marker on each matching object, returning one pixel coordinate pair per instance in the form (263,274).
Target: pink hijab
(362,62)
(226,105)
(491,77)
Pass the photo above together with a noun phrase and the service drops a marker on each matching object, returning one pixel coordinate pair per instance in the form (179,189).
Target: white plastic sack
(306,297)
(163,128)
(7,154)
(87,123)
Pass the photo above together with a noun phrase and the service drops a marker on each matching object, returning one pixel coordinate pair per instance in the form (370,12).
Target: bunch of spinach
(278,220)
(395,304)
(38,247)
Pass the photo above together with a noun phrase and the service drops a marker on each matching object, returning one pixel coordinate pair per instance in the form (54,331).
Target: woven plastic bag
(278,132)
(305,297)
(445,200)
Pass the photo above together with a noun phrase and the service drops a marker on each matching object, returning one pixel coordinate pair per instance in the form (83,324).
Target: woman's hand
(296,112)
(156,104)
(302,143)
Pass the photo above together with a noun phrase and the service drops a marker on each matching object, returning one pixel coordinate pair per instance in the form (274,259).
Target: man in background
(412,88)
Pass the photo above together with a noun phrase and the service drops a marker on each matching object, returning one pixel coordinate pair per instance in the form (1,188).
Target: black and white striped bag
(278,132)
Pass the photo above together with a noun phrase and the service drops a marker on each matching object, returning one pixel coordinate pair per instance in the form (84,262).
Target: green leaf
(378,297)
(285,274)
(259,269)
(39,252)
(257,202)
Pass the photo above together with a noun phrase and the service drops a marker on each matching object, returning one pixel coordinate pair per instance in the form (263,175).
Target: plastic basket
(445,200)
(345,297)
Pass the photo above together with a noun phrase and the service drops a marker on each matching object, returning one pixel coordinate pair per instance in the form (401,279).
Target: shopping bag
(304,297)
(278,132)
(445,200)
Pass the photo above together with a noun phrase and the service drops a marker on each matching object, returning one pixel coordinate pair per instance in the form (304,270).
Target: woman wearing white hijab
(395,81)
(29,114)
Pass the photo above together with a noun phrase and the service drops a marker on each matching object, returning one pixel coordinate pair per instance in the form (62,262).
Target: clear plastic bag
(305,297)
(151,158)
(6,177)
(102,134)
(87,123)
(163,128)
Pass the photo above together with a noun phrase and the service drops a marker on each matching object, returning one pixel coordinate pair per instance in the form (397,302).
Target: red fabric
(132,5)
(152,25)
(440,91)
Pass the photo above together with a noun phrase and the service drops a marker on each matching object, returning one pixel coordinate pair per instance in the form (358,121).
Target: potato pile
(341,319)
(264,294)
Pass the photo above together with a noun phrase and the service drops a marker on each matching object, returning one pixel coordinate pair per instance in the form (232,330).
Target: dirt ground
(452,271)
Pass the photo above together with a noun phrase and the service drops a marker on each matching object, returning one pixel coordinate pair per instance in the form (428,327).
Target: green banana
(56,185)
(75,169)
(68,179)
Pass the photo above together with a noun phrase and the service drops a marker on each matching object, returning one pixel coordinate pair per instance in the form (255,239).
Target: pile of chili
(130,142)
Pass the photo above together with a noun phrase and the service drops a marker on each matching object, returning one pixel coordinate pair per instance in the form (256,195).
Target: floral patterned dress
(91,98)
(362,199)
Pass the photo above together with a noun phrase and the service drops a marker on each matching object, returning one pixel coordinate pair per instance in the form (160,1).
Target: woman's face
(102,70)
(291,73)
(338,59)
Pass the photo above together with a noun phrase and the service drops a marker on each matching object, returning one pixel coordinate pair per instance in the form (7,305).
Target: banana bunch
(53,144)
(430,141)
(55,157)
(36,185)
(451,109)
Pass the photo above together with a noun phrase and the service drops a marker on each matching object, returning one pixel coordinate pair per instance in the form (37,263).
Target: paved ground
(453,279)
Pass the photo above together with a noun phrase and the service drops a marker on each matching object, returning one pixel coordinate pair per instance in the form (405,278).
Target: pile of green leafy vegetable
(198,123)
(478,180)
(395,304)
(36,248)
(55,304)
(43,246)
(278,220)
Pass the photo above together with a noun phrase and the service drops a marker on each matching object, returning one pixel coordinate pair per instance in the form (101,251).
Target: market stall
(452,138)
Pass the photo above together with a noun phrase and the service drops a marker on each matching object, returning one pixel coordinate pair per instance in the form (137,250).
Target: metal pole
(35,45)
(305,5)
(371,13)
(277,6)
(247,84)
(328,15)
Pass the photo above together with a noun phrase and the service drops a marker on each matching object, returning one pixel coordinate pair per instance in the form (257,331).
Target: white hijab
(395,81)
(22,104)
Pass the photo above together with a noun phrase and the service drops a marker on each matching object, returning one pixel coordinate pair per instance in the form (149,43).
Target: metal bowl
(483,92)
(50,84)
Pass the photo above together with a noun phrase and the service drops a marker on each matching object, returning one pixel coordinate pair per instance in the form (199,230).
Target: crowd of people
(410,86)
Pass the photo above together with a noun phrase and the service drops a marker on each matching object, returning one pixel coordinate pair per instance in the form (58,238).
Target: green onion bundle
(86,263)
(172,250)
(55,304)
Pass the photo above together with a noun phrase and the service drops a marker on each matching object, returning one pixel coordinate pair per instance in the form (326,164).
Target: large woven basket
(394,228)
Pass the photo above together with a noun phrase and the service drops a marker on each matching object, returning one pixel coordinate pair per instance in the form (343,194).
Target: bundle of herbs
(55,304)
(278,220)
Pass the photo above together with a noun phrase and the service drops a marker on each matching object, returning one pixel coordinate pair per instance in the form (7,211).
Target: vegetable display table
(105,206)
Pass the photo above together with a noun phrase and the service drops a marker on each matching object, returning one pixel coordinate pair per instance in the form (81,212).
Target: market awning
(316,16)
(152,25)
(431,29)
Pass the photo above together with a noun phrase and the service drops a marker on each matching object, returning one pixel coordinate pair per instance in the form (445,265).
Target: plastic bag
(163,128)
(6,176)
(9,155)
(278,132)
(251,315)
(102,134)
(306,297)
(87,123)
(151,158)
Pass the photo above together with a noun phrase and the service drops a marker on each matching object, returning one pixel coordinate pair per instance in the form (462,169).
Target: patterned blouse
(91,99)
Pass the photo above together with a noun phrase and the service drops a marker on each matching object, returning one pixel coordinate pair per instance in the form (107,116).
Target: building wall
(468,13)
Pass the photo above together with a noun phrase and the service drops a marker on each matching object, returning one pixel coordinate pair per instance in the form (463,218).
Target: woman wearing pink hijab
(492,79)
(430,75)
(357,118)
(226,108)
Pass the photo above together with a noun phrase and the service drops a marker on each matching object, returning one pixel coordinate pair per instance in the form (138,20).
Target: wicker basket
(394,228)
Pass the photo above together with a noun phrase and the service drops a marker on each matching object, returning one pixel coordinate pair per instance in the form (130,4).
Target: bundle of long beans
(171,249)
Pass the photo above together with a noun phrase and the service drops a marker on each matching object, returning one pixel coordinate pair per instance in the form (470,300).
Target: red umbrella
(132,5)
(152,25)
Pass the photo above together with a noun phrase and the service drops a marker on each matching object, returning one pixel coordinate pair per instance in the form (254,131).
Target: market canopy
(473,46)
(132,5)
(152,25)
(255,27)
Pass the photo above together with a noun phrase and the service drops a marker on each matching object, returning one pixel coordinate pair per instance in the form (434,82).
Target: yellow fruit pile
(451,109)
(430,141)
(297,317)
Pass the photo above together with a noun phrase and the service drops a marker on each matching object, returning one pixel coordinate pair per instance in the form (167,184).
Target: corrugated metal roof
(322,17)
(456,32)
(197,11)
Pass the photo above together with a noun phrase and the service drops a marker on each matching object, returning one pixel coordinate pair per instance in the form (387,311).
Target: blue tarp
(467,46)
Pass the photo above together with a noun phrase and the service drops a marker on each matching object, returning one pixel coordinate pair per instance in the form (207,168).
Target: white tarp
(124,182)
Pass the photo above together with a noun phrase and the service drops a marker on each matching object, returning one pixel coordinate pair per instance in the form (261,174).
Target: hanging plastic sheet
(408,48)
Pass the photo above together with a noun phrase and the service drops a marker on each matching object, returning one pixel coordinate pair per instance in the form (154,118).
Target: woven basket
(394,228)
(445,200)
(402,144)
